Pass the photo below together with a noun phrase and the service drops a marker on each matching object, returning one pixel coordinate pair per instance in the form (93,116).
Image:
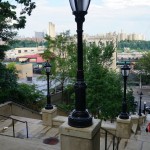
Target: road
(145,97)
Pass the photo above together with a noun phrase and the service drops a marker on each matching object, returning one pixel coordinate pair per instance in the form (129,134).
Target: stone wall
(22,111)
(10,108)
(56,98)
(5,109)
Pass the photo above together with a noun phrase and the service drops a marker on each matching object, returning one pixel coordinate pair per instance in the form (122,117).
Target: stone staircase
(38,133)
(138,141)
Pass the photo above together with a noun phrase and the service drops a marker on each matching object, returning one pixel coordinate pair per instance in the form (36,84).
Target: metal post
(105,140)
(125,72)
(27,129)
(124,114)
(140,104)
(80,117)
(13,127)
(144,108)
(48,105)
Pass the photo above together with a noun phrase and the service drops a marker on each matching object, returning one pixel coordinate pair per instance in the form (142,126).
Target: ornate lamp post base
(124,115)
(80,119)
(48,106)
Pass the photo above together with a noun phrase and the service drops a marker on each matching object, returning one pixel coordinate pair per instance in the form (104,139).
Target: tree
(143,67)
(8,82)
(24,94)
(28,95)
(138,45)
(10,20)
(62,48)
(143,63)
(10,90)
(104,85)
(104,90)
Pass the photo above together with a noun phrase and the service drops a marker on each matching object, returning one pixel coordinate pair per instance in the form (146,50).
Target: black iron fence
(111,141)
(13,124)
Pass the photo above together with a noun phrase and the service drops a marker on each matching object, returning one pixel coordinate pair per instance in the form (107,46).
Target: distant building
(36,58)
(105,39)
(39,35)
(129,56)
(131,37)
(24,70)
(18,52)
(122,36)
(51,30)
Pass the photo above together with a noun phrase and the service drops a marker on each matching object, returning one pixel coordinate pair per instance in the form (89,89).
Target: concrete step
(10,143)
(18,128)
(134,128)
(5,124)
(52,133)
(59,120)
(40,133)
(29,120)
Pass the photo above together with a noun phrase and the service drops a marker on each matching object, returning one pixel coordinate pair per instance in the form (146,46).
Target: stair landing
(38,133)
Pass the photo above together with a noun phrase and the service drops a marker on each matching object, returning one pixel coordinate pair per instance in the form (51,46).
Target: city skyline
(130,16)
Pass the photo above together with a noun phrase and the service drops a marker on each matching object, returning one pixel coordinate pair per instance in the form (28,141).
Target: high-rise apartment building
(51,30)
(132,37)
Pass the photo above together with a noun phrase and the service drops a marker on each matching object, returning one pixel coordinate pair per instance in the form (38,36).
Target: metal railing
(13,124)
(114,141)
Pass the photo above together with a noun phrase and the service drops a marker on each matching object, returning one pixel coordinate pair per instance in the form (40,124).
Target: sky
(129,16)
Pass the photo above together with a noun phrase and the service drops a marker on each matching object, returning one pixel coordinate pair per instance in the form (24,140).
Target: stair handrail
(13,119)
(114,137)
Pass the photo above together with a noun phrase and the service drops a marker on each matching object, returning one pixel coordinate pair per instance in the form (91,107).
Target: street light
(47,67)
(125,73)
(80,116)
(144,107)
(140,103)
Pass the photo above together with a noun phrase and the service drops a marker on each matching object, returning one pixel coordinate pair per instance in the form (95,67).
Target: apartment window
(19,51)
(25,50)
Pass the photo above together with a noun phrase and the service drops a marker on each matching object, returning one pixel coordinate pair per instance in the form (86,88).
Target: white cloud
(103,16)
(119,4)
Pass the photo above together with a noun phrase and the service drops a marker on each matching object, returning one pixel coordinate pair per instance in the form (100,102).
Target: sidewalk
(140,141)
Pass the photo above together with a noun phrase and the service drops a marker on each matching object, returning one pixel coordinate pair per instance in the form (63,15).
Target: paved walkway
(139,141)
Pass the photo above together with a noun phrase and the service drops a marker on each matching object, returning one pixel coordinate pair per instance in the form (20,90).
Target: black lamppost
(140,103)
(47,67)
(80,116)
(125,73)
(144,107)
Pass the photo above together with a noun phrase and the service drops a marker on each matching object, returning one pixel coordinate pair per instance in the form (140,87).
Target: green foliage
(137,45)
(11,66)
(143,67)
(69,97)
(104,86)
(130,101)
(24,43)
(8,82)
(10,90)
(29,96)
(144,63)
(3,48)
(10,20)
(104,90)
(60,52)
